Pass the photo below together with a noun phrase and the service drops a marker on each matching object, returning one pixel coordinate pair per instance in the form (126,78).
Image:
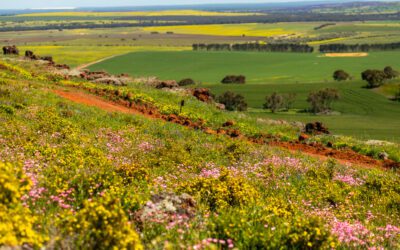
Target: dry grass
(346,54)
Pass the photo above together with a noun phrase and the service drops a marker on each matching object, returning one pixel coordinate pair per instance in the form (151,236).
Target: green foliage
(321,101)
(276,102)
(375,78)
(341,75)
(233,101)
(7,109)
(390,72)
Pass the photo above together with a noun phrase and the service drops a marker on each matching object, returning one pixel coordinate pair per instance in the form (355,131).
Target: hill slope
(75,175)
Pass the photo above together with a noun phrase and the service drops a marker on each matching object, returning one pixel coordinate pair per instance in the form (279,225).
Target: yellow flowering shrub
(100,224)
(16,221)
(221,192)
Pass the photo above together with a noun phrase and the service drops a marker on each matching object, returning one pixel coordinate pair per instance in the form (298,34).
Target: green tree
(341,75)
(375,78)
(233,101)
(390,72)
(321,100)
(274,102)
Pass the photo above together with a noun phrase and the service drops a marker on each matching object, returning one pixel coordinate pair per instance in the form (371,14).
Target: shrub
(234,79)
(100,224)
(275,102)
(220,192)
(341,75)
(7,109)
(16,221)
(375,78)
(233,101)
(390,72)
(397,95)
(321,101)
(185,82)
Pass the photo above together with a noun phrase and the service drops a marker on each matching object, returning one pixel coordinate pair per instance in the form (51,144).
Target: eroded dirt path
(94,101)
(344,156)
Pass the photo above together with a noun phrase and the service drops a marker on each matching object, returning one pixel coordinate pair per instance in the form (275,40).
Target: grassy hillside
(156,184)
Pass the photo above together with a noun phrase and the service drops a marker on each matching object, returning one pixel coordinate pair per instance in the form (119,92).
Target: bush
(397,96)
(390,72)
(185,82)
(375,78)
(341,75)
(275,102)
(16,221)
(7,109)
(221,192)
(100,224)
(233,101)
(234,79)
(321,101)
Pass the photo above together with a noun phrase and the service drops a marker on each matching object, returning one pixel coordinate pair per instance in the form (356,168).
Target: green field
(361,112)
(211,67)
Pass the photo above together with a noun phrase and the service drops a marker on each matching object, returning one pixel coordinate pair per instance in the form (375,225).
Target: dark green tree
(390,72)
(274,102)
(375,78)
(321,100)
(233,101)
(341,75)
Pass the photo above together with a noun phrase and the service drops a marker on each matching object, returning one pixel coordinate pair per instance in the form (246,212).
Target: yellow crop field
(141,13)
(327,41)
(79,55)
(248,29)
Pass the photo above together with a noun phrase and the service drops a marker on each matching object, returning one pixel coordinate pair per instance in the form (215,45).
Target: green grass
(211,67)
(362,112)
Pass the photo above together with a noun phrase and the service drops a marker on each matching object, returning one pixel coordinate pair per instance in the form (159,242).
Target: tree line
(340,47)
(281,47)
(295,47)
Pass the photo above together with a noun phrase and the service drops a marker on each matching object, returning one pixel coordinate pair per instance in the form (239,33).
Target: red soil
(94,101)
(344,156)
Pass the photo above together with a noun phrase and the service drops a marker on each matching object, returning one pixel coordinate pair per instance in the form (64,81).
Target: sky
(27,4)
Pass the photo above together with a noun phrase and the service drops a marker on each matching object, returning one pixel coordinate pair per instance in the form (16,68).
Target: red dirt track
(344,156)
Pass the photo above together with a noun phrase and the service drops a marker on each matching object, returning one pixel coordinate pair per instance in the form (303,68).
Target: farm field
(79,55)
(363,113)
(259,68)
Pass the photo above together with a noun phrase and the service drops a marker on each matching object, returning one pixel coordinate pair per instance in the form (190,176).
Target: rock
(110,81)
(304,137)
(316,128)
(228,124)
(220,106)
(202,94)
(383,155)
(10,50)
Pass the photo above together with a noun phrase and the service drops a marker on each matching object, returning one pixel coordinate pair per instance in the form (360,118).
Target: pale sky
(25,4)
